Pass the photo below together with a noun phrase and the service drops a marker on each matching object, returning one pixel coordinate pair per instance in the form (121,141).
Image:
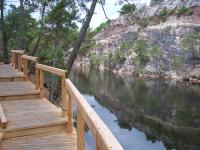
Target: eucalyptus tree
(21,25)
(4,35)
(81,37)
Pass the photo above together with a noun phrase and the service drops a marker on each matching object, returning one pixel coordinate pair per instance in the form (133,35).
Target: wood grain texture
(80,131)
(16,89)
(50,69)
(101,133)
(22,114)
(8,73)
(30,58)
(47,141)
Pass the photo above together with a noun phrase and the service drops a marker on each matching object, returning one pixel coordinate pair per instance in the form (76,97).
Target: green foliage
(145,52)
(143,22)
(87,44)
(118,57)
(182,10)
(177,62)
(100,27)
(12,27)
(95,60)
(125,46)
(163,12)
(127,8)
(190,41)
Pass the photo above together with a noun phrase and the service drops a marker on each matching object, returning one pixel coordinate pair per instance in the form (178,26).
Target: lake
(143,114)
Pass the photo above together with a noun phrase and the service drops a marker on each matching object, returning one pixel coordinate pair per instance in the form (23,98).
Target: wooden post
(20,62)
(64,97)
(41,84)
(70,113)
(15,63)
(22,65)
(37,78)
(12,60)
(26,69)
(81,131)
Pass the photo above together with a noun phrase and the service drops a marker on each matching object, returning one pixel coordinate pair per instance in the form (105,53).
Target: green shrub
(145,52)
(100,27)
(127,8)
(113,59)
(143,22)
(190,43)
(119,56)
(163,12)
(182,10)
(125,46)
(177,62)
(95,60)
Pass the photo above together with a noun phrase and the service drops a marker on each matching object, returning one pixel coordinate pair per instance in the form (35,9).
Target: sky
(112,11)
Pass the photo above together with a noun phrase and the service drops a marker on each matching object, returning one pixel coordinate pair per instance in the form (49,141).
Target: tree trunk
(35,48)
(4,36)
(81,37)
(104,10)
(21,25)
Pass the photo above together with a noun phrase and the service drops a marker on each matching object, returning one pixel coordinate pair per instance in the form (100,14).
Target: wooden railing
(40,83)
(16,58)
(24,64)
(86,115)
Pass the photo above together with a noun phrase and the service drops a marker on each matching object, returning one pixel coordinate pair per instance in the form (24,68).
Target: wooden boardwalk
(31,122)
(8,73)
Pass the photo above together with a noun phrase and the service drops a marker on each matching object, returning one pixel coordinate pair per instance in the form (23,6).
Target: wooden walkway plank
(59,140)
(17,90)
(8,73)
(23,114)
(32,122)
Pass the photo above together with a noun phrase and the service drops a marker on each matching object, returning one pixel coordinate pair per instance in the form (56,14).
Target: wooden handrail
(86,115)
(52,70)
(30,58)
(16,58)
(18,51)
(40,83)
(24,64)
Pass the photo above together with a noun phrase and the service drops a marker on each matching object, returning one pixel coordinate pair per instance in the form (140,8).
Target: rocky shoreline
(192,77)
(160,49)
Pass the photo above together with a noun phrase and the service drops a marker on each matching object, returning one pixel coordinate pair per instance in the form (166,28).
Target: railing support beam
(41,84)
(81,131)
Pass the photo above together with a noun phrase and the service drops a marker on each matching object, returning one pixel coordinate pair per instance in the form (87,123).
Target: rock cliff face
(167,29)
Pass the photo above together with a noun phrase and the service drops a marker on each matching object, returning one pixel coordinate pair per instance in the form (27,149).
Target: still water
(143,114)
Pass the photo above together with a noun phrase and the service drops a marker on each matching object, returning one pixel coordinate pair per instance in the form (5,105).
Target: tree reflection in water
(162,110)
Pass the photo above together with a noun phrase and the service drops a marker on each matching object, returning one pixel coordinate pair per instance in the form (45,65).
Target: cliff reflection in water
(164,111)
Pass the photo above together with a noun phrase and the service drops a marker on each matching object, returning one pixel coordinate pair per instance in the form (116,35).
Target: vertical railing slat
(41,83)
(64,97)
(70,113)
(37,78)
(80,131)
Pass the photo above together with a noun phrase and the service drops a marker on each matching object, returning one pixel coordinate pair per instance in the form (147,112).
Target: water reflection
(144,114)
